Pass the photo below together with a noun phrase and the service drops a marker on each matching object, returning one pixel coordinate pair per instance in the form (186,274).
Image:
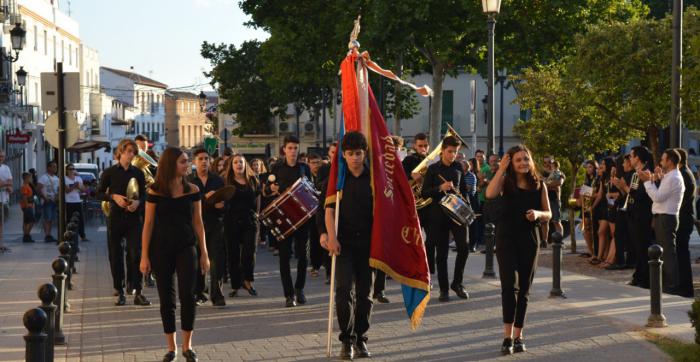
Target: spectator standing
(27,205)
(685,228)
(48,191)
(5,190)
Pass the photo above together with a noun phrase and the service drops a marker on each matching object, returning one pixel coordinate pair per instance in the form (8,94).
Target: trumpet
(634,184)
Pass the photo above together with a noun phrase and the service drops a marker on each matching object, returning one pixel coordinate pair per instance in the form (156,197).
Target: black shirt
(641,208)
(411,162)
(287,175)
(355,224)
(687,213)
(210,214)
(432,182)
(242,206)
(172,227)
(114,181)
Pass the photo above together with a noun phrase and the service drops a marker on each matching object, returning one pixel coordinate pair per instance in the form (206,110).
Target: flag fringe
(417,316)
(414,283)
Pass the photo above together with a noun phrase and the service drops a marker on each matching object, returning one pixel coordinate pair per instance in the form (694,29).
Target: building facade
(186,124)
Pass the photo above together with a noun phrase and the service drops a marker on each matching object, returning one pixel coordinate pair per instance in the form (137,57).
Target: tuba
(142,161)
(422,168)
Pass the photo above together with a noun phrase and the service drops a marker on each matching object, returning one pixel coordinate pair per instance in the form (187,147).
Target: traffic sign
(71,94)
(210,145)
(18,137)
(51,130)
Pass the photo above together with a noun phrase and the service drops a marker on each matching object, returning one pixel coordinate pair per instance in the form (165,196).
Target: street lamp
(491,9)
(202,101)
(676,80)
(21,81)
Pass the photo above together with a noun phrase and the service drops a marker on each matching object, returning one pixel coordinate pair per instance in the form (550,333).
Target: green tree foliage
(237,75)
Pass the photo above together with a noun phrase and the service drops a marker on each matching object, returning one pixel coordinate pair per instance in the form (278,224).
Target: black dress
(517,247)
(172,249)
(240,228)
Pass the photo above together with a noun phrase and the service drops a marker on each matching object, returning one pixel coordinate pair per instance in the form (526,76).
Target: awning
(83,146)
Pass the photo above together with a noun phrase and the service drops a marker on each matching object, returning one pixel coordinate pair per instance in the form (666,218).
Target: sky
(161,39)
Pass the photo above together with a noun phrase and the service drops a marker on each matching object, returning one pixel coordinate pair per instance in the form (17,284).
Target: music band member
(640,217)
(525,206)
(317,255)
(124,221)
(286,172)
(173,229)
(208,182)
(446,176)
(351,246)
(240,223)
(685,228)
(421,147)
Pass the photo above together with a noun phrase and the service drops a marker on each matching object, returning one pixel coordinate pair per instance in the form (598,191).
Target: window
(36,93)
(447,109)
(63,51)
(77,62)
(70,54)
(36,38)
(46,43)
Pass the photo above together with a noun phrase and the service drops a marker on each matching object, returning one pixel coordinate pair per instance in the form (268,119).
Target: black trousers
(165,264)
(641,235)
(352,268)
(318,255)
(72,207)
(300,239)
(125,233)
(439,229)
(240,242)
(379,282)
(430,244)
(623,251)
(685,272)
(517,261)
(217,260)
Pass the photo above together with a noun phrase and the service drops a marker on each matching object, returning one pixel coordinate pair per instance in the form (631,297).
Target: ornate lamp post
(21,81)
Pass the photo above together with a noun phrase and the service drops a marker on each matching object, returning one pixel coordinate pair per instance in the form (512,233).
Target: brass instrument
(422,168)
(142,161)
(634,184)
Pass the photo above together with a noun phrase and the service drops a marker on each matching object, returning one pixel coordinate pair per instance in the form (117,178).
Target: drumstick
(443,180)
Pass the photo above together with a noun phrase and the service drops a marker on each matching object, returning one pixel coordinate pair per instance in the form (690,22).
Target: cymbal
(223,194)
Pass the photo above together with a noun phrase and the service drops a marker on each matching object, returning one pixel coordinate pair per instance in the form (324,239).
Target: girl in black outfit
(240,224)
(173,225)
(589,221)
(525,206)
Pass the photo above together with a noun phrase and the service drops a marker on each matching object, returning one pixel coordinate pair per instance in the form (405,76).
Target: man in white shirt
(667,198)
(48,190)
(5,189)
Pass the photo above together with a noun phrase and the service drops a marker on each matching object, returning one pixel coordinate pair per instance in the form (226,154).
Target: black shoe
(381,298)
(614,267)
(460,291)
(507,346)
(200,300)
(48,239)
(27,239)
(150,281)
(251,290)
(190,356)
(140,299)
(347,351)
(233,293)
(121,300)
(444,296)
(218,302)
(170,356)
(361,350)
(633,283)
(518,345)
(301,298)
(290,302)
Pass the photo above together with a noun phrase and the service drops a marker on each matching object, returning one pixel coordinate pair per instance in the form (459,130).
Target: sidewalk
(599,320)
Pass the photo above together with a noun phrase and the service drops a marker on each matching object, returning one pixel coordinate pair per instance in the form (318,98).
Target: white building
(146,95)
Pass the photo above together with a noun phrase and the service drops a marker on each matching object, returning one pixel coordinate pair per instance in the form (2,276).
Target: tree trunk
(436,107)
(653,138)
(397,105)
(572,212)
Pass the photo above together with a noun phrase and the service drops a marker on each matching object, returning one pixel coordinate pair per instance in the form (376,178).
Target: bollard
(71,237)
(65,249)
(59,267)
(47,294)
(490,236)
(656,318)
(34,320)
(557,244)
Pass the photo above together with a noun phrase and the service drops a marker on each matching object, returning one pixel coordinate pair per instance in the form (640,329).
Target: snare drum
(289,211)
(457,209)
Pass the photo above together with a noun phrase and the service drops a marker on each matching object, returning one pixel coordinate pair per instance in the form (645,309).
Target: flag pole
(329,338)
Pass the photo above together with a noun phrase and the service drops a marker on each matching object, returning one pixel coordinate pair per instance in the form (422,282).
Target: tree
(563,123)
(237,75)
(628,67)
